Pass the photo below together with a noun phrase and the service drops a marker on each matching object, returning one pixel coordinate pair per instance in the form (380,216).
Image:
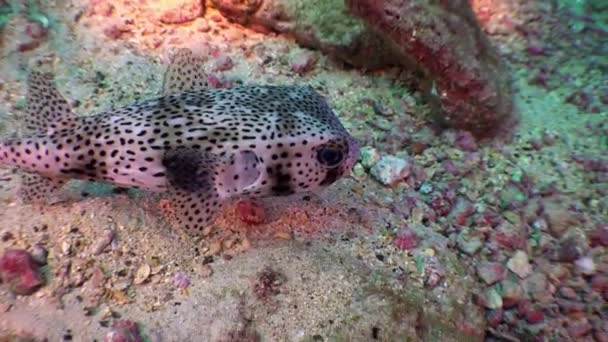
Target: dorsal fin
(185,72)
(47,110)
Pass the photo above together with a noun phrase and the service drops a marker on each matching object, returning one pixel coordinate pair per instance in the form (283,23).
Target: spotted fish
(200,146)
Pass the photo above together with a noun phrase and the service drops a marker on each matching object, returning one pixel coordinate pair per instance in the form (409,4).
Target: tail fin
(47,112)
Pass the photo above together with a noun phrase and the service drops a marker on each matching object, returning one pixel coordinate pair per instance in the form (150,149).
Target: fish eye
(329,156)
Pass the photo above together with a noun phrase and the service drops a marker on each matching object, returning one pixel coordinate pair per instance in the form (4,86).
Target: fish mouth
(354,152)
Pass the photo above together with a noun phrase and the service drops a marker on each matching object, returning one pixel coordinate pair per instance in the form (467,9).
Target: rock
(599,237)
(568,293)
(600,282)
(465,141)
(461,211)
(519,264)
(585,265)
(572,247)
(467,82)
(104,241)
(570,306)
(369,156)
(512,197)
(406,239)
(223,63)
(558,217)
(491,299)
(580,328)
(40,254)
(463,76)
(509,236)
(322,24)
(124,331)
(181,11)
(494,317)
(116,30)
(20,271)
(512,293)
(303,61)
(534,315)
(469,245)
(536,286)
(491,272)
(390,170)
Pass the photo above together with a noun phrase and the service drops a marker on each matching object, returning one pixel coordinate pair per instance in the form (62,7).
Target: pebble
(205,271)
(534,315)
(536,286)
(494,317)
(20,271)
(40,254)
(369,156)
(223,63)
(519,264)
(124,330)
(568,293)
(585,265)
(491,272)
(215,248)
(181,280)
(579,328)
(469,245)
(599,237)
(599,282)
(571,248)
(390,170)
(491,299)
(104,241)
(512,293)
(303,61)
(142,274)
(465,141)
(570,306)
(559,218)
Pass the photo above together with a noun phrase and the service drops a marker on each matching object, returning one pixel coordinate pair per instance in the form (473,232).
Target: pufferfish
(199,145)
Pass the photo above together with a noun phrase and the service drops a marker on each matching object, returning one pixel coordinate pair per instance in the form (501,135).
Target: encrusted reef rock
(321,24)
(467,80)
(464,78)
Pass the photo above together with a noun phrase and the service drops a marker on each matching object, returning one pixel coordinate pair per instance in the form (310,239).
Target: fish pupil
(329,156)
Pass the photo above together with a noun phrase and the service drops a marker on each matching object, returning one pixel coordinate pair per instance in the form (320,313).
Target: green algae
(328,18)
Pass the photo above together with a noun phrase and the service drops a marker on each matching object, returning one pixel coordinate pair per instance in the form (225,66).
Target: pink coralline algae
(468,83)
(250,212)
(406,239)
(21,272)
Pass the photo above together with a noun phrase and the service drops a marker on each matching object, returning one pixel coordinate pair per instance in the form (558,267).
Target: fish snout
(354,151)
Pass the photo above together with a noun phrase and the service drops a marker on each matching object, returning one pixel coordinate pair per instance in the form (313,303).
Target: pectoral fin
(36,188)
(191,188)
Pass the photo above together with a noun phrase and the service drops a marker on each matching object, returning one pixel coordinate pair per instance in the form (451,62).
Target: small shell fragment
(283,235)
(142,274)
